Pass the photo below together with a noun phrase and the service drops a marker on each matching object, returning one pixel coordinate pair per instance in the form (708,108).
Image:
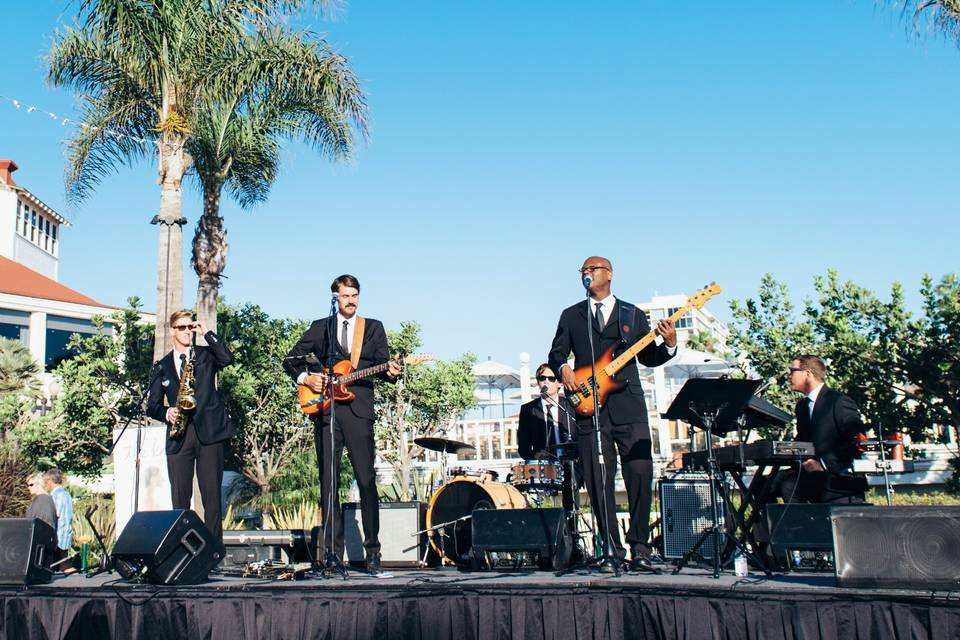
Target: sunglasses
(547,378)
(182,327)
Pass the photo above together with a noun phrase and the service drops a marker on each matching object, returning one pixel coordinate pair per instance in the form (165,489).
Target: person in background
(41,507)
(63,501)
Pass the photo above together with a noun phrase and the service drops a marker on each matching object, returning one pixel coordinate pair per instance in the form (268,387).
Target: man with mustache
(352,421)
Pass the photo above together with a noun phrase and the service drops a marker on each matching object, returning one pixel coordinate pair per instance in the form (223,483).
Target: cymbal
(445,445)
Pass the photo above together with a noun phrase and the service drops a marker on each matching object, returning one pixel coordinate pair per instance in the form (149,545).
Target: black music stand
(702,403)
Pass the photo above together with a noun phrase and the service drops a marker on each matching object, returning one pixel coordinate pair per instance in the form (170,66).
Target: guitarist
(366,340)
(623,417)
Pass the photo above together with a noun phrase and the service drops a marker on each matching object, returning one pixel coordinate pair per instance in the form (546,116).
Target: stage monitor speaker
(535,530)
(27,546)
(398,522)
(685,514)
(166,547)
(897,547)
(800,526)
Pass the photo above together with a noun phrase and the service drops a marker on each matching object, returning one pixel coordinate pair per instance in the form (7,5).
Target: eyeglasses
(182,327)
(593,268)
(795,369)
(547,378)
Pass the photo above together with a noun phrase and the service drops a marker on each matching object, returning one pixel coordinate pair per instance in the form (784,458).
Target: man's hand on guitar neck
(317,382)
(394,368)
(668,332)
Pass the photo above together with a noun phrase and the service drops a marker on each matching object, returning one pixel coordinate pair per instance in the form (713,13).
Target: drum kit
(463,490)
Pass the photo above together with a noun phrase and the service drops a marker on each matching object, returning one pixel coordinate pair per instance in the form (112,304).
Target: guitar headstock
(700,298)
(417,358)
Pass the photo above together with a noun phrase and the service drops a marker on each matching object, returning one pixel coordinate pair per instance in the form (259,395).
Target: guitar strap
(357,341)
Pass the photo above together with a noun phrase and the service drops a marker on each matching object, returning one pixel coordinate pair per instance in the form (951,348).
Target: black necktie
(183,362)
(343,337)
(599,315)
(551,426)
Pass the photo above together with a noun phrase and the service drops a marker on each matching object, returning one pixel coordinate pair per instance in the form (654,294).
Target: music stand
(702,403)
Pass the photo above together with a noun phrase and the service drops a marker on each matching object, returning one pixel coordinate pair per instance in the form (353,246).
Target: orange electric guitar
(607,365)
(344,375)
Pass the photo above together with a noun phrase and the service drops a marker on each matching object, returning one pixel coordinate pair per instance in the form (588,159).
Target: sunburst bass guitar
(343,376)
(607,365)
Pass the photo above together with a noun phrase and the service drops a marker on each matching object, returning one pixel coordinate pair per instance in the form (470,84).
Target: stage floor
(447,603)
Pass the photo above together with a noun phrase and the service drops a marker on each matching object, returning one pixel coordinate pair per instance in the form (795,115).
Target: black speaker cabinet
(536,530)
(897,547)
(800,526)
(27,546)
(398,522)
(685,512)
(166,547)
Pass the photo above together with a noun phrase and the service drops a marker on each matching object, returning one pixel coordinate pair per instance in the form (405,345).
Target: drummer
(546,421)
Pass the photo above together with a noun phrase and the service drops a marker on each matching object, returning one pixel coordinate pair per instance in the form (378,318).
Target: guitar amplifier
(685,513)
(398,522)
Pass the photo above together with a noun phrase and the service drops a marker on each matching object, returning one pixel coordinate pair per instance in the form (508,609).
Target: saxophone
(186,400)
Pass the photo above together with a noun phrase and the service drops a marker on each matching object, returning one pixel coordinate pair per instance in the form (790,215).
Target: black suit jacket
(373,352)
(832,429)
(531,428)
(626,405)
(210,418)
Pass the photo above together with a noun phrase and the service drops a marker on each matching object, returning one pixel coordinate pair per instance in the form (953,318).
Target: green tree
(100,387)
(427,399)
(272,432)
(19,384)
(282,85)
(703,341)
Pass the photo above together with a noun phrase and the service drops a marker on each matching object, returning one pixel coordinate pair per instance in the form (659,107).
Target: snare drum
(458,498)
(537,475)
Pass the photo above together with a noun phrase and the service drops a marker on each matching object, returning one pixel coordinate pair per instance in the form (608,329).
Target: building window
(686,322)
(53,238)
(26,220)
(19,215)
(15,325)
(46,233)
(33,226)
(59,331)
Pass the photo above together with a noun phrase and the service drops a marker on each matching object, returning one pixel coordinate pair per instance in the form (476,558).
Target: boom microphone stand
(332,565)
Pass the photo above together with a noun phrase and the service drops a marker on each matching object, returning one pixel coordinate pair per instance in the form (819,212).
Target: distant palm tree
(942,15)
(18,370)
(283,85)
(702,341)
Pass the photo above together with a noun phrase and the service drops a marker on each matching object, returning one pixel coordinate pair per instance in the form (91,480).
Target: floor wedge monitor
(27,546)
(897,547)
(166,547)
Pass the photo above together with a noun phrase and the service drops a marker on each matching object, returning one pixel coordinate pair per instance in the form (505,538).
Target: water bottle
(740,568)
(797,559)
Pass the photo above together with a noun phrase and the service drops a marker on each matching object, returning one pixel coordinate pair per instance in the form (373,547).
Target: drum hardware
(444,446)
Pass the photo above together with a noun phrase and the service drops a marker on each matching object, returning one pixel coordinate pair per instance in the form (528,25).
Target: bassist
(624,425)
(364,342)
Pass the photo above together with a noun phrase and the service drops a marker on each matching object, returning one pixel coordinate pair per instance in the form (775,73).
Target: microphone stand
(607,558)
(332,565)
(139,413)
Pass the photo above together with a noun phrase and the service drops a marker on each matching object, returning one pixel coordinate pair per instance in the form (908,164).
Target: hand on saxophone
(172,414)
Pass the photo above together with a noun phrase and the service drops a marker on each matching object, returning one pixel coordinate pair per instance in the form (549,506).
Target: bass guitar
(344,375)
(607,365)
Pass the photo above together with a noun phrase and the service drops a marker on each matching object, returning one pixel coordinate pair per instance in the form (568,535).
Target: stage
(451,604)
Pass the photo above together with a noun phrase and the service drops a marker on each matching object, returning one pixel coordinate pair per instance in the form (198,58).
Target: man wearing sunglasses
(624,426)
(208,426)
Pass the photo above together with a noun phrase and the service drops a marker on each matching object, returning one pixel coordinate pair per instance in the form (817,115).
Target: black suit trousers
(618,440)
(357,434)
(208,460)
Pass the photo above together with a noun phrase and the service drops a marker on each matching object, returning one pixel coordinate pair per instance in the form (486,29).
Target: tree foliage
(427,399)
(100,388)
(903,371)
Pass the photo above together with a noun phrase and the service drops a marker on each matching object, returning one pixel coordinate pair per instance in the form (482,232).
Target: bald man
(624,427)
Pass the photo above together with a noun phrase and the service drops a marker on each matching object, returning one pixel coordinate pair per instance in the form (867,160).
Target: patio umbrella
(495,375)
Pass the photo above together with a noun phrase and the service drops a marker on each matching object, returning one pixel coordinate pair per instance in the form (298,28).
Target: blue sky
(511,140)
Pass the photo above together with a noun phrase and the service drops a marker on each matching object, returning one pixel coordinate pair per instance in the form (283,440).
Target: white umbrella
(495,375)
(690,363)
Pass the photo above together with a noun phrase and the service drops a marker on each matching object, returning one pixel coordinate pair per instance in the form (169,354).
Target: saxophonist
(205,428)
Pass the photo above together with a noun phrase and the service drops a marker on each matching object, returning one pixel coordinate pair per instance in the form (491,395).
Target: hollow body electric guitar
(344,375)
(607,365)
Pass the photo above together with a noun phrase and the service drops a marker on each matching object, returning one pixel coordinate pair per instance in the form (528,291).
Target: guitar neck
(362,373)
(624,358)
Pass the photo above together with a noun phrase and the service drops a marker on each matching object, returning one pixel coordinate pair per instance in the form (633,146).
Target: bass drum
(458,498)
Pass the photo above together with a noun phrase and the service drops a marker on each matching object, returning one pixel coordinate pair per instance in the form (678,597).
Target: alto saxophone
(186,400)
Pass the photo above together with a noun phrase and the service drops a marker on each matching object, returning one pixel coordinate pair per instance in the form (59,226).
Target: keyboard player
(831,421)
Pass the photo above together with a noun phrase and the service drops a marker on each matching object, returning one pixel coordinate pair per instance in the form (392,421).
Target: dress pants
(208,460)
(818,486)
(357,434)
(634,454)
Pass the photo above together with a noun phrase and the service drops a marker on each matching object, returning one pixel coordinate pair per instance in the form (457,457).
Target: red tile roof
(18,280)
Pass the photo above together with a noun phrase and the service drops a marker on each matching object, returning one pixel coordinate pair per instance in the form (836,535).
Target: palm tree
(281,85)
(941,15)
(18,370)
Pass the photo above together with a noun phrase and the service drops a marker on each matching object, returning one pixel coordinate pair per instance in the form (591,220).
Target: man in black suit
(353,421)
(208,426)
(831,421)
(546,421)
(623,417)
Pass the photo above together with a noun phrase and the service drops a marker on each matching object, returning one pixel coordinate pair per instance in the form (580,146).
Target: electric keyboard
(759,452)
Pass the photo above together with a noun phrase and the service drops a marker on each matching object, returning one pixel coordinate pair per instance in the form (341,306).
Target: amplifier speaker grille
(685,513)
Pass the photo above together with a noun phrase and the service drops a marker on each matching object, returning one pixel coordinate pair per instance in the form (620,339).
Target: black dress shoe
(374,567)
(642,564)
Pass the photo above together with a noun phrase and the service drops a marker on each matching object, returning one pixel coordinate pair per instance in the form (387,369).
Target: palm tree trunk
(172,167)
(209,255)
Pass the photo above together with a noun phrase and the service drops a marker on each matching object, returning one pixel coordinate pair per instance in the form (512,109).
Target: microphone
(769,381)
(543,390)
(587,281)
